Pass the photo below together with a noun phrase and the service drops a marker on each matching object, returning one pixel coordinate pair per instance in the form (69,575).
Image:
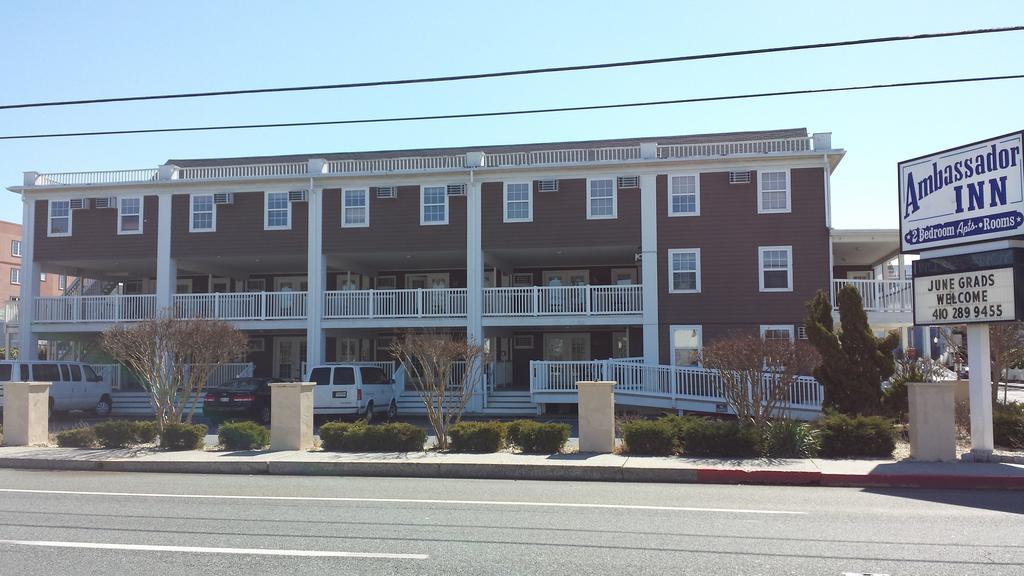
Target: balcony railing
(408,303)
(242,305)
(112,308)
(563,300)
(880,295)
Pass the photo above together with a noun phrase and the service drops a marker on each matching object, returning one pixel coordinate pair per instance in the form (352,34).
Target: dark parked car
(239,399)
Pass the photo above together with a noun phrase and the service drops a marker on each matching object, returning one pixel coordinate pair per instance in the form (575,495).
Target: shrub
(895,399)
(681,425)
(77,438)
(536,438)
(789,439)
(655,437)
(182,436)
(145,431)
(723,438)
(362,437)
(115,434)
(1008,425)
(844,436)
(477,436)
(245,435)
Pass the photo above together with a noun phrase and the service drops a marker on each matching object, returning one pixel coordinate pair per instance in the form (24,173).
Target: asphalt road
(107,523)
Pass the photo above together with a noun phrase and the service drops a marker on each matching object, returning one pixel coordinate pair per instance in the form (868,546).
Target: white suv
(352,389)
(73,385)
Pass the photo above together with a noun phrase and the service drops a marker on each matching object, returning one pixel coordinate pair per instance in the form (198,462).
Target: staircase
(501,403)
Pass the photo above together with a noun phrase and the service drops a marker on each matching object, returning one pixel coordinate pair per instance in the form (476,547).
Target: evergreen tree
(853,361)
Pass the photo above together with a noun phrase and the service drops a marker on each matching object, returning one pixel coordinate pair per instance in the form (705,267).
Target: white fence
(700,150)
(242,171)
(111,308)
(403,164)
(98,177)
(563,300)
(880,295)
(405,303)
(242,305)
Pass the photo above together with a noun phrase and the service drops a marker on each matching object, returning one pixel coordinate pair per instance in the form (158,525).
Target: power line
(522,112)
(529,71)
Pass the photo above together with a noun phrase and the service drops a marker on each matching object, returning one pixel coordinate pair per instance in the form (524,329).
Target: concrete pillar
(597,416)
(475,286)
(291,415)
(979,356)
(649,266)
(28,342)
(26,413)
(166,268)
(932,420)
(316,280)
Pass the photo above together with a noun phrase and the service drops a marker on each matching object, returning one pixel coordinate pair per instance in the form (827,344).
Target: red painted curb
(923,481)
(739,476)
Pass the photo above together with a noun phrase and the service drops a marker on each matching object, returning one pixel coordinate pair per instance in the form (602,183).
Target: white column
(649,266)
(978,352)
(166,268)
(317,278)
(28,342)
(475,283)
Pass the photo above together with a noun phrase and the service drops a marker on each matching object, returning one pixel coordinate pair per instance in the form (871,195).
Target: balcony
(596,303)
(110,308)
(880,295)
(407,303)
(242,305)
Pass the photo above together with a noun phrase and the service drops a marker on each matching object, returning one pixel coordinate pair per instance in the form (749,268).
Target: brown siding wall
(559,219)
(94,235)
(394,225)
(239,230)
(728,232)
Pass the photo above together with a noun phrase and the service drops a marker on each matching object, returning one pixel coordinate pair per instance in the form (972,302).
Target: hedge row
(123,433)
(526,436)
(243,435)
(362,437)
(1008,425)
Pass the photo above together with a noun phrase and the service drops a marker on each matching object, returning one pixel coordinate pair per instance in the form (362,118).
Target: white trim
(366,207)
(672,271)
(615,198)
(121,215)
(266,210)
(423,192)
(49,218)
(191,214)
(760,268)
(696,190)
(760,192)
(16,276)
(529,202)
(783,327)
(15,253)
(698,328)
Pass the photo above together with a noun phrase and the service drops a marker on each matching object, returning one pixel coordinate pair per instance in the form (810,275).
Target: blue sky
(63,50)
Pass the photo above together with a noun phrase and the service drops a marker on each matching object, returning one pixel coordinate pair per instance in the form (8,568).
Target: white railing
(111,308)
(563,300)
(405,303)
(404,164)
(563,156)
(100,177)
(880,295)
(226,372)
(699,150)
(115,374)
(242,305)
(242,171)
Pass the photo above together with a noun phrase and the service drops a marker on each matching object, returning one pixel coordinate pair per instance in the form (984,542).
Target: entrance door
(289,357)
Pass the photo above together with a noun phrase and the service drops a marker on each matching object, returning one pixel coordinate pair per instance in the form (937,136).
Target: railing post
(117,307)
(419,302)
(536,300)
(588,294)
(373,300)
(263,305)
(216,305)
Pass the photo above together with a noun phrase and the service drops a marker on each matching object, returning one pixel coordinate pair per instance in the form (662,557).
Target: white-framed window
(684,270)
(59,218)
(773,191)
(257,345)
(16,248)
(685,342)
(602,202)
(62,282)
(775,268)
(433,205)
(15,275)
(129,215)
(42,276)
(278,211)
(385,282)
(355,208)
(777,332)
(202,213)
(518,201)
(683,194)
(256,285)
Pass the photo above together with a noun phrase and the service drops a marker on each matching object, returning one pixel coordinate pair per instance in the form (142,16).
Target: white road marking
(207,550)
(406,501)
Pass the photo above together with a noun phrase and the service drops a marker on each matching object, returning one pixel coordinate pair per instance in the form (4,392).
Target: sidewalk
(571,467)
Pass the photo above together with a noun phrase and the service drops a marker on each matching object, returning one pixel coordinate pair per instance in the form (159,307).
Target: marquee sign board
(965,297)
(964,195)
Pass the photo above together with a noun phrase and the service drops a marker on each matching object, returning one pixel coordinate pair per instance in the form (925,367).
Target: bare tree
(444,370)
(174,358)
(1006,349)
(759,376)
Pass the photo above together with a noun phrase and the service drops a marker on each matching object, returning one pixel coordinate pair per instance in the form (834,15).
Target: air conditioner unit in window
(387,192)
(547,185)
(104,202)
(79,203)
(801,332)
(297,196)
(629,181)
(224,198)
(742,177)
(456,189)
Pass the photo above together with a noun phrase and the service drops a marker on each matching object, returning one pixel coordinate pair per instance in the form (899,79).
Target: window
(683,195)
(5,372)
(62,281)
(203,212)
(684,270)
(257,345)
(129,216)
(76,372)
(773,191)
(16,248)
(344,376)
(320,376)
(601,201)
(256,285)
(15,275)
(46,373)
(355,208)
(686,343)
(278,211)
(42,276)
(59,222)
(434,202)
(385,282)
(776,269)
(777,332)
(373,375)
(518,202)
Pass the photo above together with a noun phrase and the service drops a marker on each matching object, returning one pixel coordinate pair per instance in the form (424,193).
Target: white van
(73,385)
(352,389)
